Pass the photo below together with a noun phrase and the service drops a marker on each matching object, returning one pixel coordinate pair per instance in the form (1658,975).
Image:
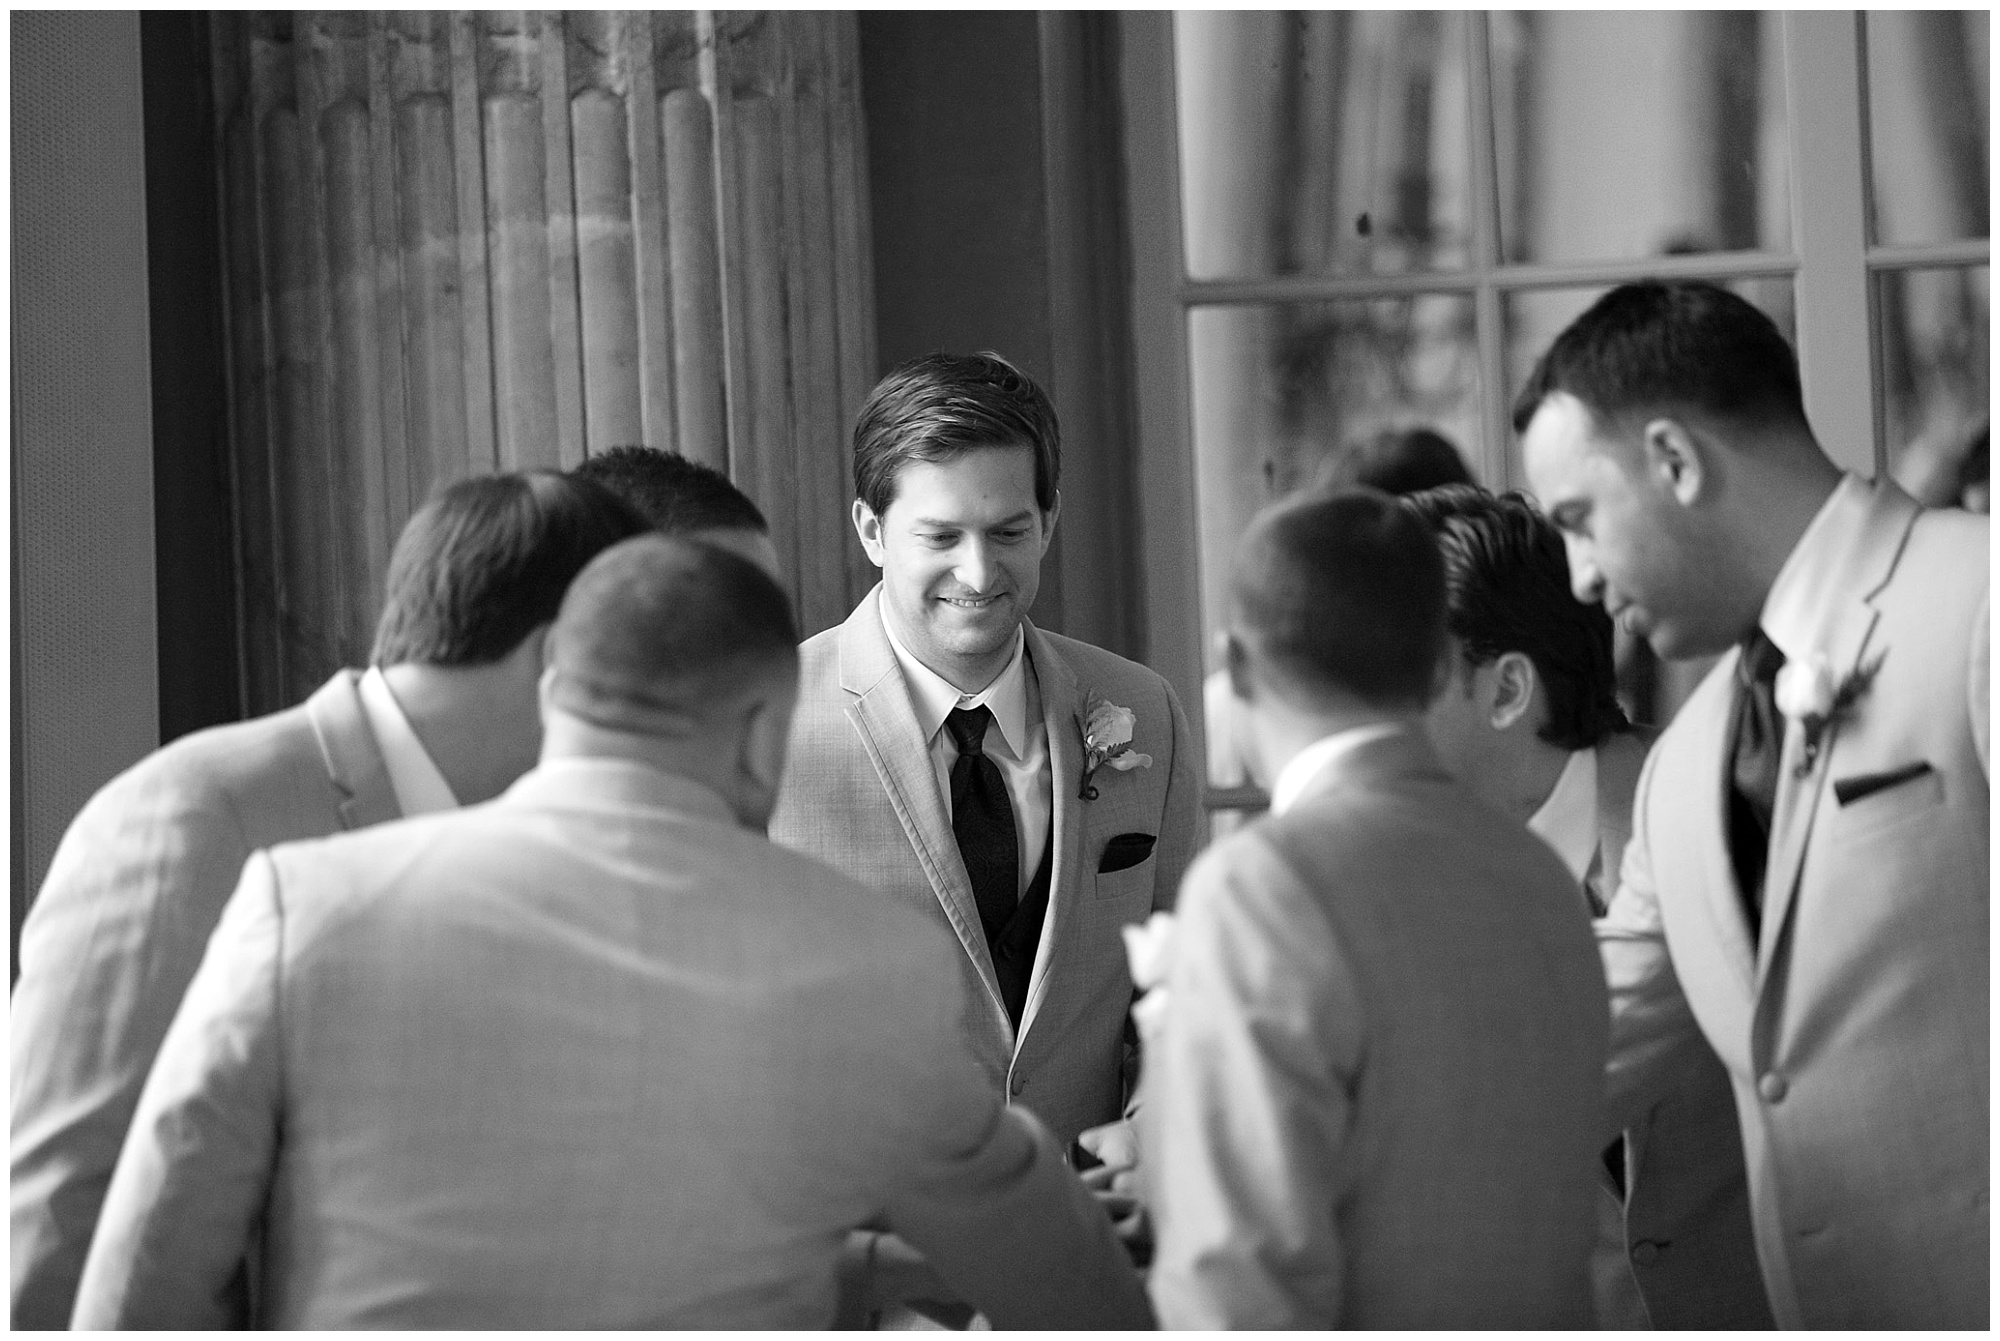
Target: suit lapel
(1057,685)
(889,733)
(1848,622)
(348,749)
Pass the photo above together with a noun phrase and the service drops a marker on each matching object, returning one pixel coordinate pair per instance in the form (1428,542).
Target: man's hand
(1114,1181)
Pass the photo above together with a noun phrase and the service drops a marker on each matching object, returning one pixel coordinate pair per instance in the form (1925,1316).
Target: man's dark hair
(1506,581)
(487,559)
(676,495)
(1658,346)
(1344,592)
(666,626)
(1396,461)
(938,407)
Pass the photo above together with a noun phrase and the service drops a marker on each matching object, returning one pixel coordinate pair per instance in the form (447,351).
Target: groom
(940,748)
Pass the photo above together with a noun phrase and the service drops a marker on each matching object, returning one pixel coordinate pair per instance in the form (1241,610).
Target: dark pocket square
(1127,849)
(1849,790)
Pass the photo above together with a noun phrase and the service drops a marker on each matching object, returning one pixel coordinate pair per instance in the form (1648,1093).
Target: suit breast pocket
(1134,882)
(1867,805)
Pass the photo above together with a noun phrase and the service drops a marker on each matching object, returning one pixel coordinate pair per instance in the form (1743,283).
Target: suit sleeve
(1249,1103)
(1655,1041)
(1180,812)
(106,954)
(1979,684)
(190,1184)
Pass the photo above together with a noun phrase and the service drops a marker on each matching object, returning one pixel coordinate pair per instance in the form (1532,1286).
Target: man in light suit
(1529,721)
(1376,1096)
(1807,883)
(594,1055)
(445,715)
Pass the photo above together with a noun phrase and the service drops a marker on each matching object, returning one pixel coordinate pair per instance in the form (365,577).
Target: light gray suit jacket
(588,1056)
(1854,1026)
(1377,1098)
(116,932)
(861,795)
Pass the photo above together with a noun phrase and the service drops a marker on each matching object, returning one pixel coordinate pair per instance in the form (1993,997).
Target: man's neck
(1785,498)
(477,723)
(1528,786)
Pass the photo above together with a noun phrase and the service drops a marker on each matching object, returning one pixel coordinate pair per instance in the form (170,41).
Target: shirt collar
(1567,820)
(420,788)
(1809,586)
(934,697)
(1314,759)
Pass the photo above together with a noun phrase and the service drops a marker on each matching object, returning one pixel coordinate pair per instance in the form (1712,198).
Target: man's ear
(1513,682)
(1236,661)
(767,733)
(545,689)
(1675,458)
(1049,521)
(869,527)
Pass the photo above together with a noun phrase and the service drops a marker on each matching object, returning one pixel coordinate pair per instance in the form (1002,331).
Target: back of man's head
(1507,589)
(1671,347)
(486,561)
(937,407)
(1396,461)
(1342,597)
(677,496)
(660,635)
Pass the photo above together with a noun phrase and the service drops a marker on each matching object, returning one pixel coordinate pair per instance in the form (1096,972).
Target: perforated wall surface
(86,693)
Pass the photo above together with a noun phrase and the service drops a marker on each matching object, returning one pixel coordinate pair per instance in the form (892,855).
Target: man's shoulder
(231,763)
(1105,671)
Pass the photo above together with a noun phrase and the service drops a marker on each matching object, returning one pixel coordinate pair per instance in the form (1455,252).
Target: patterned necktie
(1753,766)
(982,820)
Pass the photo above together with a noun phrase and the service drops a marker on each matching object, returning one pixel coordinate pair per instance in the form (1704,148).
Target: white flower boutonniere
(1807,692)
(1149,950)
(1107,741)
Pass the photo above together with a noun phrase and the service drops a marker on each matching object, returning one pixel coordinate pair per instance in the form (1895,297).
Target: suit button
(1772,1086)
(1645,1253)
(1017,1084)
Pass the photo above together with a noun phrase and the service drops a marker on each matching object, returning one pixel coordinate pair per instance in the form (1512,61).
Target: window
(1350,220)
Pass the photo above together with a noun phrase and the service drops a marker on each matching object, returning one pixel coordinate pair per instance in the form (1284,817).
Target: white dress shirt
(1567,820)
(420,789)
(1307,764)
(1017,739)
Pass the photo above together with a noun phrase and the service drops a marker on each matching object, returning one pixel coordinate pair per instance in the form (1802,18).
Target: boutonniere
(1807,693)
(1107,741)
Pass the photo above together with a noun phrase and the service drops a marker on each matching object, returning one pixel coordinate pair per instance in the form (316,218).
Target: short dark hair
(666,625)
(1506,582)
(675,494)
(1344,592)
(938,407)
(487,559)
(1396,461)
(1658,345)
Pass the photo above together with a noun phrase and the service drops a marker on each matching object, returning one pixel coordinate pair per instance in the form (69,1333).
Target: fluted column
(459,242)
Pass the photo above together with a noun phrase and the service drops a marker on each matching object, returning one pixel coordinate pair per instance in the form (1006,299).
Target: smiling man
(940,750)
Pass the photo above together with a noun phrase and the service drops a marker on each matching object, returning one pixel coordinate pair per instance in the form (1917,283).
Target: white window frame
(1831,264)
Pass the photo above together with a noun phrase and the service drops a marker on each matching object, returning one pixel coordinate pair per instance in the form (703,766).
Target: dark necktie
(1753,766)
(982,819)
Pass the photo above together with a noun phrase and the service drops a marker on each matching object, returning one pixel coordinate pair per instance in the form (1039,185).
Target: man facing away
(1529,721)
(683,497)
(1377,1095)
(1807,883)
(444,716)
(596,1054)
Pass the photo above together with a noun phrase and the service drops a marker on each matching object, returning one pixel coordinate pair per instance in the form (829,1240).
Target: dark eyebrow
(1024,515)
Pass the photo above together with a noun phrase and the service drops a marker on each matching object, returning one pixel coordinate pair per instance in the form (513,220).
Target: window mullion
(1489,318)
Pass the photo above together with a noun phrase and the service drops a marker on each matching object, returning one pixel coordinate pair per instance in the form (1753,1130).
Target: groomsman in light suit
(1807,884)
(1529,720)
(943,747)
(1376,1093)
(594,1055)
(445,715)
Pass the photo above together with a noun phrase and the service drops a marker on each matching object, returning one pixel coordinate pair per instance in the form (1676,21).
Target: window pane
(1934,340)
(1627,134)
(1536,317)
(1278,389)
(1322,142)
(1928,95)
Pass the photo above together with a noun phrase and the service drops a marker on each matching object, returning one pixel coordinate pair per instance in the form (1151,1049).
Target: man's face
(960,548)
(1458,724)
(1629,540)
